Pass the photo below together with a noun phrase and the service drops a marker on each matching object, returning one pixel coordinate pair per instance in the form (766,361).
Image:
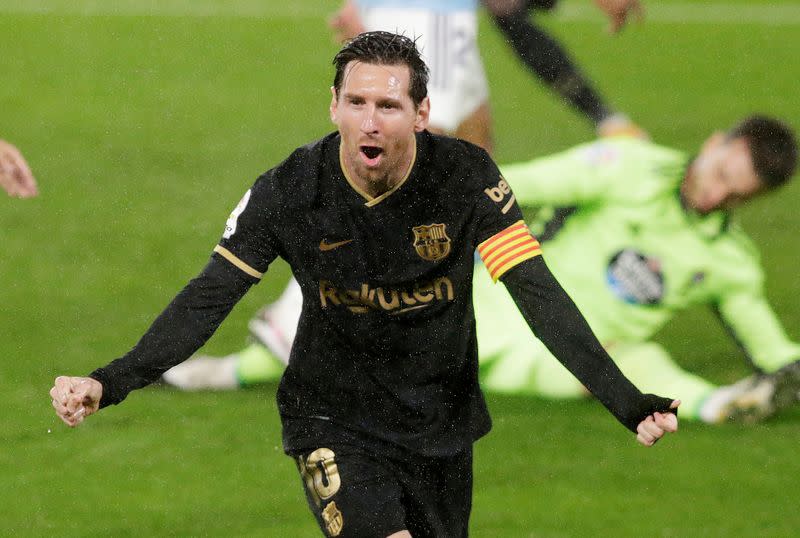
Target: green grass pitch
(145,121)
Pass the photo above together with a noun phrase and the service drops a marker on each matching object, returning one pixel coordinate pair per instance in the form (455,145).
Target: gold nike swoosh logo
(325,246)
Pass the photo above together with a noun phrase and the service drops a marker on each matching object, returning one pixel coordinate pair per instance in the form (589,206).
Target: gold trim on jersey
(231,257)
(372,201)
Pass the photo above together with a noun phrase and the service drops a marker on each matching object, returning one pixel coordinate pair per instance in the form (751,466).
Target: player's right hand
(75,398)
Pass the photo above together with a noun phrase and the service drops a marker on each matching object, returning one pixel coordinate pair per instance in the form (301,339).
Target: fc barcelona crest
(431,242)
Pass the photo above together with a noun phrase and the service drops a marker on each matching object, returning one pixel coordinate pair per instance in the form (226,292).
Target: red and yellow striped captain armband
(508,248)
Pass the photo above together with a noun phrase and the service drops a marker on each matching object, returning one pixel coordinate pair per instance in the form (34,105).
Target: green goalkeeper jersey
(631,255)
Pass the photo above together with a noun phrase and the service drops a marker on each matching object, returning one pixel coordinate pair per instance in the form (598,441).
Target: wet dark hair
(385,48)
(773,148)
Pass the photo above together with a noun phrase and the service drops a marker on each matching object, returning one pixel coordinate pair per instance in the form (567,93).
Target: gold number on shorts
(321,474)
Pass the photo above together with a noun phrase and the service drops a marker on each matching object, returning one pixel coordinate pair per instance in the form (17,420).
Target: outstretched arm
(549,61)
(756,329)
(737,283)
(558,323)
(182,328)
(585,174)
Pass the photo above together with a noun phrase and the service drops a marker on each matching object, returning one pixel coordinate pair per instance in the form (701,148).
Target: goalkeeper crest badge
(636,278)
(230,225)
(431,242)
(334,522)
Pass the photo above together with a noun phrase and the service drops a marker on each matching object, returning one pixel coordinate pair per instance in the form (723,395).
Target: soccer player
(649,233)
(16,177)
(380,403)
(643,233)
(446,33)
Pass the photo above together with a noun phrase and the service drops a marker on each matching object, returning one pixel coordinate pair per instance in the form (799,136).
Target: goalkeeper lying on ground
(641,233)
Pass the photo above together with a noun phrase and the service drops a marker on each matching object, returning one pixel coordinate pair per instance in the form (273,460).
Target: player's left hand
(656,425)
(618,12)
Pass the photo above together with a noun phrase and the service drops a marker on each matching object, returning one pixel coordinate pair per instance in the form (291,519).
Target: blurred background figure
(446,32)
(15,174)
(550,62)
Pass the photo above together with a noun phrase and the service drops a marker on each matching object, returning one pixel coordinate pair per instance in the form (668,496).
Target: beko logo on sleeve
(499,193)
(230,225)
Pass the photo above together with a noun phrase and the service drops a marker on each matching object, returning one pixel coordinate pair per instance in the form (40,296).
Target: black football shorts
(357,492)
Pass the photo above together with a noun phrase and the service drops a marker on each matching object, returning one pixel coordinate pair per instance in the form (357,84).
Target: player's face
(722,176)
(377,120)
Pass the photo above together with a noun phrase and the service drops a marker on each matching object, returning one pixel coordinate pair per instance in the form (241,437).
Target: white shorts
(448,43)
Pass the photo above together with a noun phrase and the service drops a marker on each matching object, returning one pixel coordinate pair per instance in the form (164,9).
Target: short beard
(380,182)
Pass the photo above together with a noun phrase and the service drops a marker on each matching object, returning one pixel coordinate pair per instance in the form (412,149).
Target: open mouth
(371,154)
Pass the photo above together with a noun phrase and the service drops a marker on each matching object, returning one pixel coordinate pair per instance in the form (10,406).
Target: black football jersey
(386,342)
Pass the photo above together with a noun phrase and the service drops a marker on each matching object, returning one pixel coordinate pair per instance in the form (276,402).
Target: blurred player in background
(15,175)
(546,58)
(643,232)
(446,33)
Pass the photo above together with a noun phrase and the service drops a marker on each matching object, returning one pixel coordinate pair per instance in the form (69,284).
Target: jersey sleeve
(573,177)
(181,329)
(557,322)
(755,327)
(248,241)
(744,309)
(504,240)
